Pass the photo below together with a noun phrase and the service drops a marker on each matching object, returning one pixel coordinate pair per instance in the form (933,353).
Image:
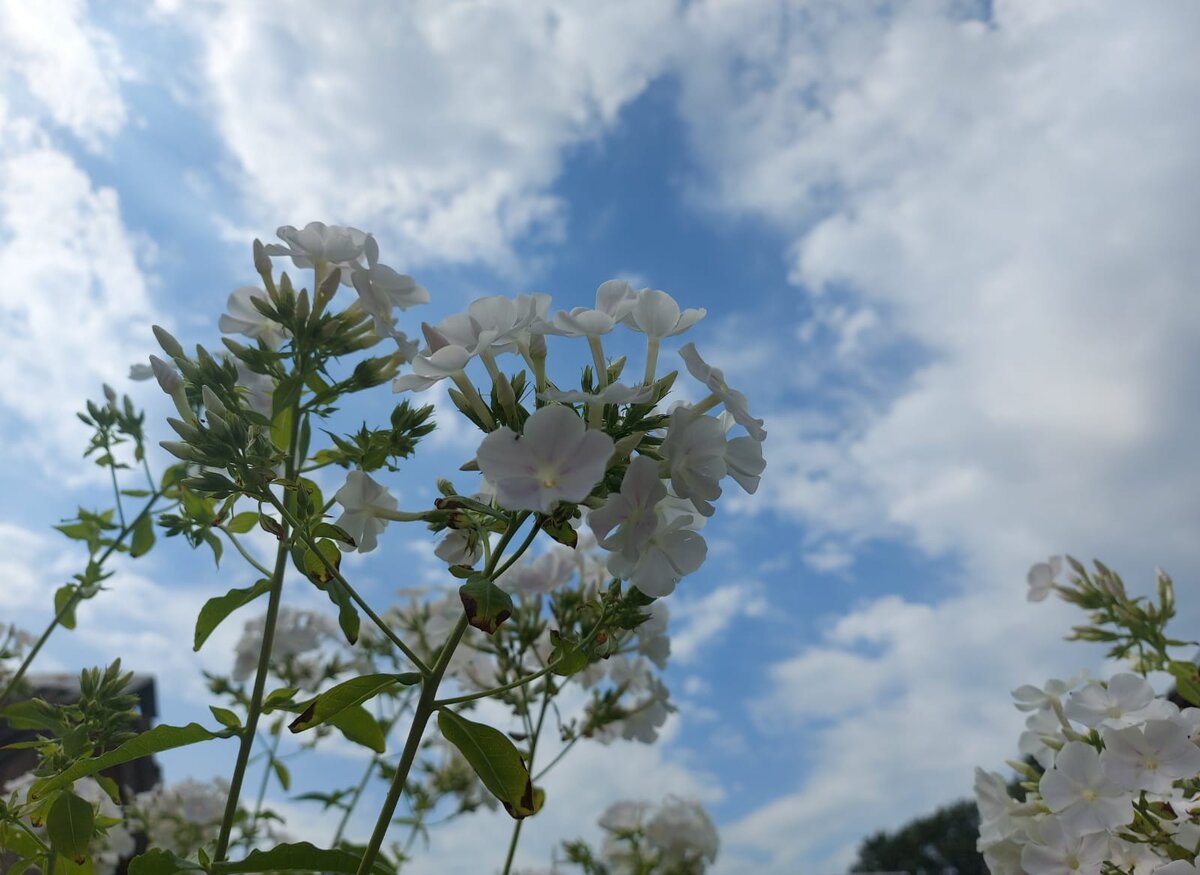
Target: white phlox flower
(695,449)
(624,816)
(545,573)
(1040,726)
(1132,857)
(440,359)
(1085,799)
(460,547)
(505,324)
(647,715)
(743,457)
(683,833)
(998,812)
(382,290)
(557,458)
(1177,867)
(672,552)
(1029,697)
(316,242)
(734,401)
(627,520)
(653,641)
(614,300)
(297,631)
(1116,704)
(245,319)
(1150,757)
(1054,851)
(656,314)
(1041,578)
(257,389)
(362,500)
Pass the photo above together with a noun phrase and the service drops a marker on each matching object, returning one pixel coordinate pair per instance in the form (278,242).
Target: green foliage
(942,843)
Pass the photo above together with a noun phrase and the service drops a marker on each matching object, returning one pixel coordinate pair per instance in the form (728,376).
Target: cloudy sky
(946,248)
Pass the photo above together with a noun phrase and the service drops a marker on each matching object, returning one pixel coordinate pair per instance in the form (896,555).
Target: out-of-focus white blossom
(245,319)
(1041,578)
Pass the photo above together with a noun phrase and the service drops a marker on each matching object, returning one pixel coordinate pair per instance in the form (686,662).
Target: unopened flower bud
(168,380)
(1165,587)
(109,394)
(302,305)
(211,402)
(180,450)
(624,448)
(262,262)
(169,344)
(184,430)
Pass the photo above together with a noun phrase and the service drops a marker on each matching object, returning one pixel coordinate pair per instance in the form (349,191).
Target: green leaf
(143,536)
(495,760)
(34,714)
(348,618)
(226,717)
(281,427)
(298,855)
(337,699)
(281,772)
(318,568)
(151,741)
(358,726)
(219,607)
(242,523)
(159,862)
(1187,680)
(561,531)
(69,826)
(62,597)
(329,530)
(486,604)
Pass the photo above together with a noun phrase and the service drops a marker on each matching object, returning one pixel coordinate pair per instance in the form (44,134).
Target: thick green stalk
(254,709)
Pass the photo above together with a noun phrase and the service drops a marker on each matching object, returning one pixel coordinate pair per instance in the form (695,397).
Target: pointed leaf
(151,741)
(495,760)
(62,598)
(219,607)
(337,699)
(142,537)
(69,825)
(486,604)
(298,855)
(242,523)
(359,726)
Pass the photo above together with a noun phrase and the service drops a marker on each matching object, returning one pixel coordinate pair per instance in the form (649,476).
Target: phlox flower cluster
(565,449)
(1112,768)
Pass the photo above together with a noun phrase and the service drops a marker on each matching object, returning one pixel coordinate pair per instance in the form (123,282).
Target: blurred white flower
(245,319)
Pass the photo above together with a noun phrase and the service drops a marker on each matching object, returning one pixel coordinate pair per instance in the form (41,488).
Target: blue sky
(946,248)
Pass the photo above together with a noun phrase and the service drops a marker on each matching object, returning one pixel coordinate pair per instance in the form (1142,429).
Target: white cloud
(441,127)
(1021,213)
(698,622)
(71,68)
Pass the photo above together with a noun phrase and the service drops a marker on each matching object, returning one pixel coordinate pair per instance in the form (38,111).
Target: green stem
(258,566)
(73,601)
(533,742)
(112,470)
(358,791)
(354,596)
(262,785)
(426,705)
(254,709)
